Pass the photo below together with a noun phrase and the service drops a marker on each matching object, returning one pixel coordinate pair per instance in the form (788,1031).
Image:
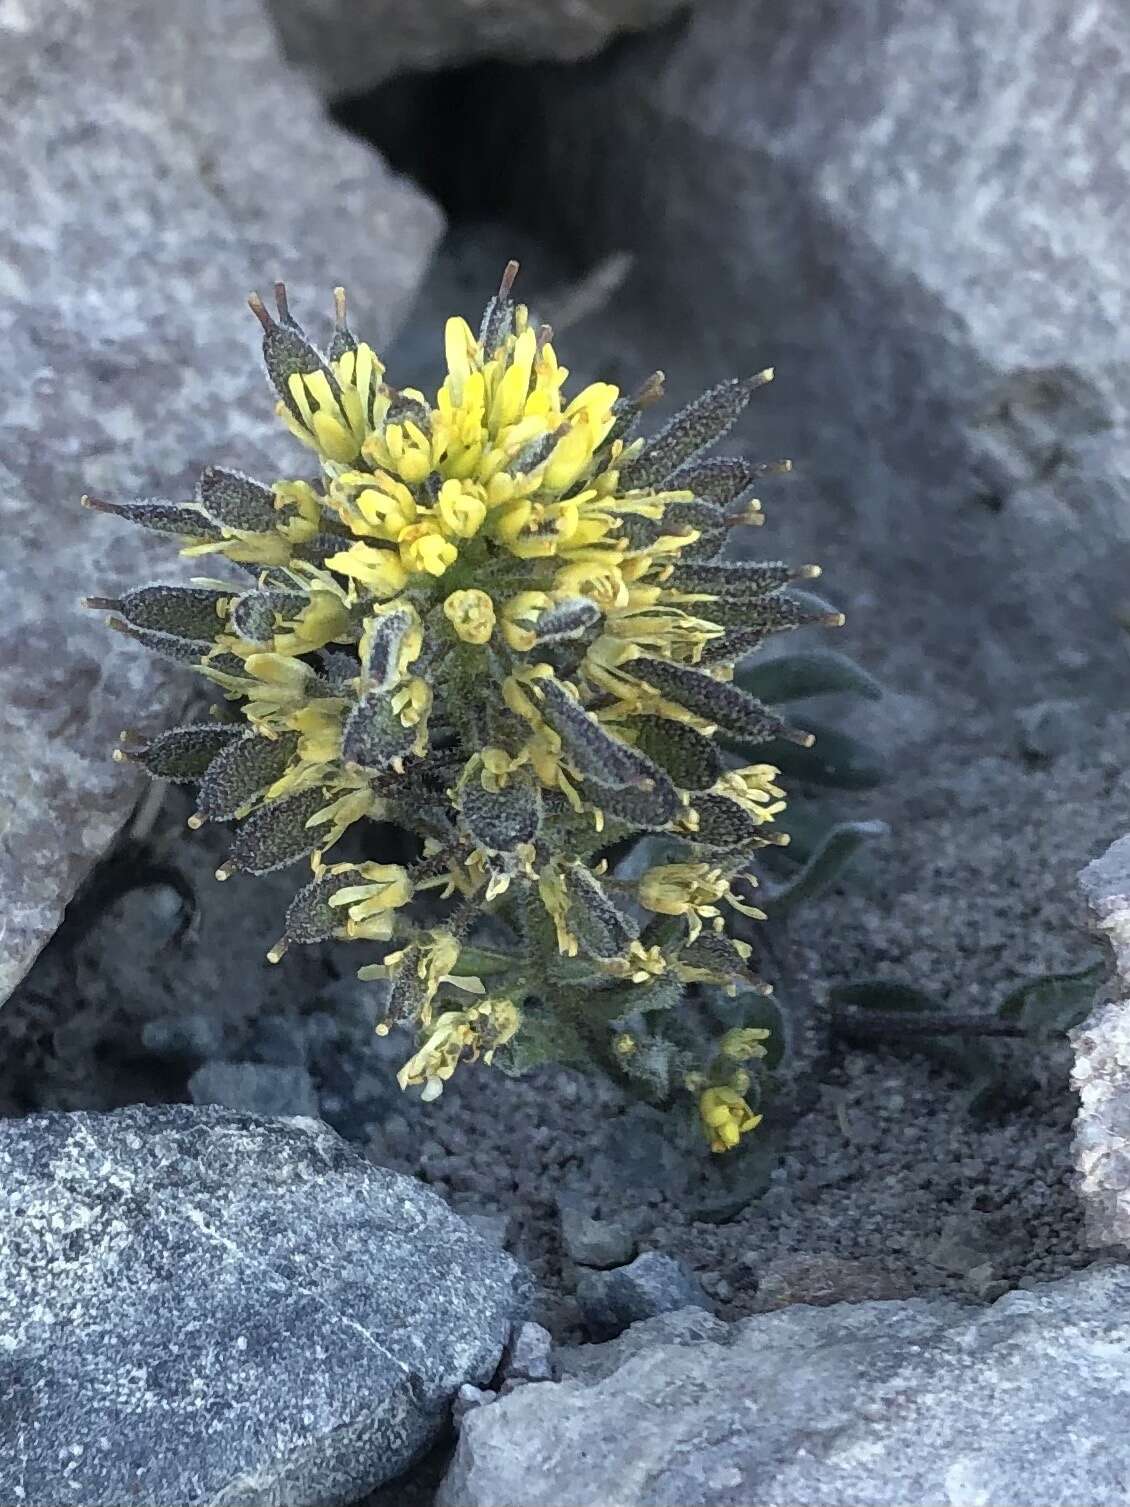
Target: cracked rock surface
(156,162)
(860,1404)
(197,1306)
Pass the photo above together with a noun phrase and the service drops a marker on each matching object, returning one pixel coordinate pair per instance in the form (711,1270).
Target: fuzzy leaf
(276,835)
(189,612)
(699,425)
(602,930)
(184,753)
(816,672)
(645,810)
(744,579)
(310,916)
(1055,1003)
(374,736)
(689,758)
(722,824)
(235,501)
(721,478)
(567,620)
(384,637)
(183,519)
(595,752)
(825,866)
(241,771)
(714,700)
(253,617)
(186,651)
(544,1037)
(500,820)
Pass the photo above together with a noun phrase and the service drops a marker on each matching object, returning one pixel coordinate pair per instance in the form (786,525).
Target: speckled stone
(156,162)
(861,1404)
(352,45)
(201,1307)
(1101,1070)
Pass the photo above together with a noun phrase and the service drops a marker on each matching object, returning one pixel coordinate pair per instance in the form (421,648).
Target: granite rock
(352,45)
(651,1284)
(865,1405)
(595,1242)
(155,164)
(198,1306)
(1100,1071)
(921,217)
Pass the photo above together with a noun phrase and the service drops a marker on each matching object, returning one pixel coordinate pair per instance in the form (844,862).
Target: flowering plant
(496,619)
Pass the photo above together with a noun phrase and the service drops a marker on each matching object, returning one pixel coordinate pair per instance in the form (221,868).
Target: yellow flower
(460,510)
(690,889)
(388,508)
(384,887)
(555,898)
(424,548)
(743,1043)
(471,614)
(476,1031)
(519,616)
(754,791)
(378,570)
(726,1117)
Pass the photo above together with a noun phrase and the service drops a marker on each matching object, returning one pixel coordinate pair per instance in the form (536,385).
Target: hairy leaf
(241,771)
(184,753)
(694,428)
(235,501)
(276,835)
(689,758)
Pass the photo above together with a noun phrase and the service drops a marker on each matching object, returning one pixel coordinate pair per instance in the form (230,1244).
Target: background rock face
(860,1404)
(154,166)
(201,1307)
(351,45)
(922,219)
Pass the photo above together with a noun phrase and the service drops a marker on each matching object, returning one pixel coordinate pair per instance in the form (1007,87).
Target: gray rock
(352,45)
(871,206)
(156,163)
(255,1088)
(653,1283)
(200,1307)
(528,1355)
(495,1229)
(1101,1077)
(469,1397)
(1100,1073)
(864,1405)
(1105,883)
(595,1242)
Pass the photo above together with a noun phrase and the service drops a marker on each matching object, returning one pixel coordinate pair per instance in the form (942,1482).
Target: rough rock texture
(651,1284)
(1105,883)
(1101,1072)
(155,164)
(199,1307)
(870,1404)
(921,217)
(352,45)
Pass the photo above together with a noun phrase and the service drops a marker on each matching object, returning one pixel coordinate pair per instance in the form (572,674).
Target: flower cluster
(498,620)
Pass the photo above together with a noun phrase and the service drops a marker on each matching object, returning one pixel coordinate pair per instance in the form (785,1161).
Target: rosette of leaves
(499,620)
